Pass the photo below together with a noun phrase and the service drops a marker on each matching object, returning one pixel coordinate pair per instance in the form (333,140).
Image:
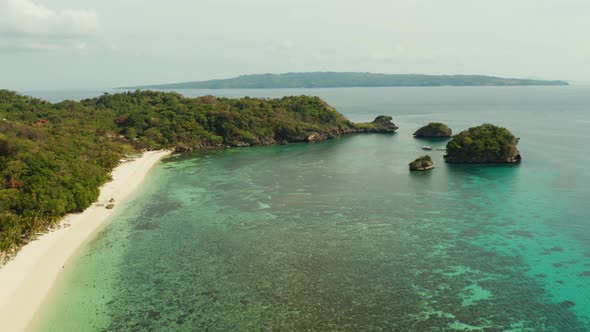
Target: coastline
(28,279)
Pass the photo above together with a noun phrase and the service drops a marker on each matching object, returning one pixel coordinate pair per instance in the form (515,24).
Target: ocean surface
(340,236)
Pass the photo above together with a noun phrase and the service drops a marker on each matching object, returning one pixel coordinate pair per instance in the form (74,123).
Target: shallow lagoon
(340,236)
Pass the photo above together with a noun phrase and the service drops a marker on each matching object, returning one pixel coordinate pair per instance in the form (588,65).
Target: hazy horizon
(87,44)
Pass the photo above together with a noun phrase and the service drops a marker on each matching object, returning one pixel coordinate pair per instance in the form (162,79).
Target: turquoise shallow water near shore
(339,236)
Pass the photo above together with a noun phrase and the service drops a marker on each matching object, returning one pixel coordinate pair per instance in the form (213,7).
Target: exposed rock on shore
(381,124)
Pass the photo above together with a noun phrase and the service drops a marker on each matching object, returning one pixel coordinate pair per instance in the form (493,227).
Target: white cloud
(27,25)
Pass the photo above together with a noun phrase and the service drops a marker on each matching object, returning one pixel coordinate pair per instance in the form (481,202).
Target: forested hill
(340,80)
(54,157)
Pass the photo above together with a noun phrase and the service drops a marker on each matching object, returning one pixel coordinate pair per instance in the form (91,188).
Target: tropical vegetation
(54,157)
(434,129)
(483,144)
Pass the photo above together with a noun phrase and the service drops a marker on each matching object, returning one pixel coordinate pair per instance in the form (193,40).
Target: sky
(55,44)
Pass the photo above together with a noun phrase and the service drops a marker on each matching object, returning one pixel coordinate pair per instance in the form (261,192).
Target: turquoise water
(339,236)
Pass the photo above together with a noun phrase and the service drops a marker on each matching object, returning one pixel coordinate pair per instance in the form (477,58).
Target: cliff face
(483,144)
(434,129)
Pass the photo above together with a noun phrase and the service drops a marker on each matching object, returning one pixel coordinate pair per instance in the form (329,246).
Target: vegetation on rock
(54,157)
(423,163)
(381,124)
(483,144)
(434,129)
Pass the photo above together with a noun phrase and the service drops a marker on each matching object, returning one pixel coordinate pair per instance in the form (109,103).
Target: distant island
(347,79)
(54,157)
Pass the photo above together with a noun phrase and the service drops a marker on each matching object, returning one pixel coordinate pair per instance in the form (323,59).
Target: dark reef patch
(568,304)
(522,234)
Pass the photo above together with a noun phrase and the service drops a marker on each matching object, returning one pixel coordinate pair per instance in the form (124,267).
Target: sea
(340,236)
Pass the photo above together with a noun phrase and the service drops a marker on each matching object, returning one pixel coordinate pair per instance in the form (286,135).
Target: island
(54,157)
(434,130)
(346,79)
(423,163)
(483,144)
(381,124)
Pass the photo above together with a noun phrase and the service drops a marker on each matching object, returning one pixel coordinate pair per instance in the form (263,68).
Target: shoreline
(28,278)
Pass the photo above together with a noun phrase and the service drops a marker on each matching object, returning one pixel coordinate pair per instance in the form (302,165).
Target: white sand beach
(26,280)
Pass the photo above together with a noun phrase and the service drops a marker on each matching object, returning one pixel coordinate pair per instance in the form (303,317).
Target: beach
(26,280)
(342,236)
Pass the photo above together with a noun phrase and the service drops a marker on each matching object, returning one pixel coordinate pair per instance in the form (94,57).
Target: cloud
(25,25)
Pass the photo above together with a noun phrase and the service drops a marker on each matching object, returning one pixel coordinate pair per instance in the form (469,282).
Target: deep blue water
(339,236)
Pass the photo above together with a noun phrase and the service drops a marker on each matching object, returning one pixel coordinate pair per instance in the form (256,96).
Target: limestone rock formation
(423,163)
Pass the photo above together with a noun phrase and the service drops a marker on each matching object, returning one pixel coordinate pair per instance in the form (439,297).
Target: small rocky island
(423,163)
(434,129)
(381,124)
(483,144)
